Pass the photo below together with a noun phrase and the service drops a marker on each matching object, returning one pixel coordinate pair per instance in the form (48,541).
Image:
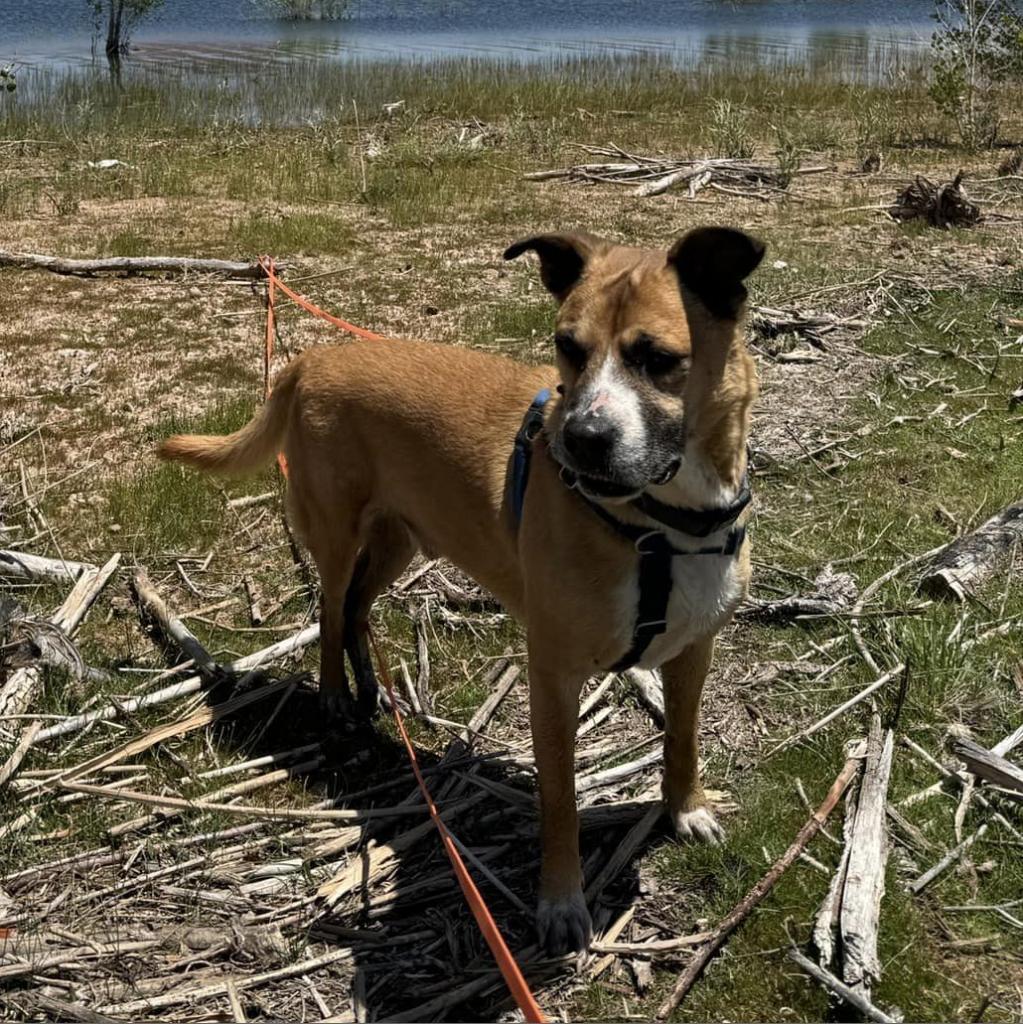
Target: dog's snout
(589,439)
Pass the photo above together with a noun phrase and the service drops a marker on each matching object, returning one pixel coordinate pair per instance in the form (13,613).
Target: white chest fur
(706,589)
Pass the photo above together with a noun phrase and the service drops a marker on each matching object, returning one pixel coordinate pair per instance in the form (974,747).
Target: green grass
(169,507)
(903,473)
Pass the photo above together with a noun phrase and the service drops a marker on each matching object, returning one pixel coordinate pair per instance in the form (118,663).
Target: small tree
(977,45)
(307,10)
(120,17)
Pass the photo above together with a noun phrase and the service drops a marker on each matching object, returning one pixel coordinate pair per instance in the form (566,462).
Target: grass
(400,226)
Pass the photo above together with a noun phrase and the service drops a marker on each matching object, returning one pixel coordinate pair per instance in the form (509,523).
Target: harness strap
(655,568)
(522,453)
(697,522)
(655,579)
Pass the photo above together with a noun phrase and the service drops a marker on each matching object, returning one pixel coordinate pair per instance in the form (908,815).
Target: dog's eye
(565,343)
(658,362)
(646,355)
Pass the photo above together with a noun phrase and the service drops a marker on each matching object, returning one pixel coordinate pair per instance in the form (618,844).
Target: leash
(506,963)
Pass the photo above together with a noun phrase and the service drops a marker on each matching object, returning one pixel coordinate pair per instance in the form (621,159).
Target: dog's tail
(245,450)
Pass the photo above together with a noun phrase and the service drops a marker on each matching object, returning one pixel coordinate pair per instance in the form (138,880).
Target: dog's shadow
(417,952)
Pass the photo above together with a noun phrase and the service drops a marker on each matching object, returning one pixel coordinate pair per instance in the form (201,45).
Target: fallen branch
(23,566)
(133,265)
(830,982)
(153,606)
(759,891)
(919,884)
(986,764)
(969,560)
(860,912)
(18,692)
(220,988)
(942,206)
(837,712)
(193,684)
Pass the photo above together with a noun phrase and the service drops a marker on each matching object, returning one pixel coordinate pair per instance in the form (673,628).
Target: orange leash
(275,282)
(506,964)
(268,348)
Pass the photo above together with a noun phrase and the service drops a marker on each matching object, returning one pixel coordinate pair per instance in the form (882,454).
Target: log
(759,892)
(964,564)
(133,265)
(649,690)
(860,912)
(18,692)
(988,765)
(23,566)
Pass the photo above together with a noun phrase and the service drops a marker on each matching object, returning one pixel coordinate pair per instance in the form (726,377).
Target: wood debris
(942,206)
(653,175)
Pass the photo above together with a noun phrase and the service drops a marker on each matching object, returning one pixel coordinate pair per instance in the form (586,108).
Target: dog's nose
(589,440)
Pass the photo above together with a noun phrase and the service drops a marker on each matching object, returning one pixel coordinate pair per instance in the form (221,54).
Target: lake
(59,32)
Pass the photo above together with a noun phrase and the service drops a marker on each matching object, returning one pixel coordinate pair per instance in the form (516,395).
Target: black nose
(589,440)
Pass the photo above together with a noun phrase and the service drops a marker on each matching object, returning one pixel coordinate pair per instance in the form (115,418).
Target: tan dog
(628,550)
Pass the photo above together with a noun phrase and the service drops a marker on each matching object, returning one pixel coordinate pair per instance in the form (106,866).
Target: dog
(610,519)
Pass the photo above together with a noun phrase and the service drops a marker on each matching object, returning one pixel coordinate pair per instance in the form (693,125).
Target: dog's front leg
(686,803)
(563,921)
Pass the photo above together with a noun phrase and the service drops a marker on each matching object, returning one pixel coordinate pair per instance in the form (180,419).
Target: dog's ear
(712,263)
(563,258)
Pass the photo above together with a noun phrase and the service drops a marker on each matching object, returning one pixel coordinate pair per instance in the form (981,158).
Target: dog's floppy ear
(563,258)
(712,263)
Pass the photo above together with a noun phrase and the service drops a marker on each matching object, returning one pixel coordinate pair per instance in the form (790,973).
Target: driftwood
(969,560)
(193,684)
(986,764)
(837,712)
(23,566)
(942,206)
(919,884)
(153,607)
(864,877)
(20,688)
(133,265)
(650,691)
(759,891)
(844,992)
(654,175)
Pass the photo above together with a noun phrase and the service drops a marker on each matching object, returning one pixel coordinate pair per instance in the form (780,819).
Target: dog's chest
(705,591)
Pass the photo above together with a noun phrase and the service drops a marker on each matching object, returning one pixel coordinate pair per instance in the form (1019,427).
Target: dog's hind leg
(387,551)
(686,804)
(335,559)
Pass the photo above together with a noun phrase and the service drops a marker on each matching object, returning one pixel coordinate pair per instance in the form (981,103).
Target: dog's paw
(698,826)
(563,924)
(367,703)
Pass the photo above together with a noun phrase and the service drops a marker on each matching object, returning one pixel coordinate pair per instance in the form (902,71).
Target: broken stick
(759,891)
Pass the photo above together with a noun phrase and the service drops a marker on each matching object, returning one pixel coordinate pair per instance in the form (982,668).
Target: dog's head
(630,324)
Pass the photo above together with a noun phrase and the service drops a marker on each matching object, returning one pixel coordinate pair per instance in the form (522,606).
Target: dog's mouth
(600,487)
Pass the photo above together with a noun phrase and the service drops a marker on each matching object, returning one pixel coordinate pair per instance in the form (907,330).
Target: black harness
(654,548)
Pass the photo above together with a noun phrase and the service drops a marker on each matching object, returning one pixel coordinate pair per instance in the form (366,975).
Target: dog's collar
(693,522)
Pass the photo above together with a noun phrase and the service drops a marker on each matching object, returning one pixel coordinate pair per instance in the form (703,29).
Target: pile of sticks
(653,175)
(208,875)
(942,206)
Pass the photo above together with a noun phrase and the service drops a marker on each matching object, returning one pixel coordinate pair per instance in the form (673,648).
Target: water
(858,32)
